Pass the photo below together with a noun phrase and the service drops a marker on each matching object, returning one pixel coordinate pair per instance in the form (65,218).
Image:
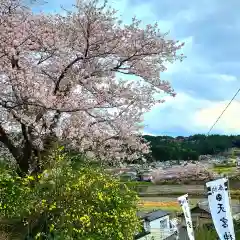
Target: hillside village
(201,170)
(187,175)
(83,150)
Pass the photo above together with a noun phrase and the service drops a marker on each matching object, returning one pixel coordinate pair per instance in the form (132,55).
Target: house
(145,176)
(117,171)
(201,214)
(128,176)
(156,224)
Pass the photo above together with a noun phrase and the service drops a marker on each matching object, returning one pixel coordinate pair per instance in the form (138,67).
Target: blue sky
(208,78)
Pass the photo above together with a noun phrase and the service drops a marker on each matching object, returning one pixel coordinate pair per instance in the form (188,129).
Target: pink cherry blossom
(180,173)
(70,77)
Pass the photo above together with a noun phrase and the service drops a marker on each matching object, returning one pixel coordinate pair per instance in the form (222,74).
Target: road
(175,188)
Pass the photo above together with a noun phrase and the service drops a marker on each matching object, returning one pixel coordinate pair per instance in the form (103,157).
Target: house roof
(129,174)
(204,206)
(151,216)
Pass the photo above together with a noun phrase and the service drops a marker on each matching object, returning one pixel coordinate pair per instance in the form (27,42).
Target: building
(156,224)
(146,176)
(128,176)
(201,214)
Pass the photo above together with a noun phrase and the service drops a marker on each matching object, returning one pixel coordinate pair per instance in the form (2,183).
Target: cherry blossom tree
(69,77)
(190,172)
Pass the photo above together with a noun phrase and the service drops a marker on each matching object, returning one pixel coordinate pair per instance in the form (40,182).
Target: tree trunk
(15,151)
(23,166)
(28,156)
(21,155)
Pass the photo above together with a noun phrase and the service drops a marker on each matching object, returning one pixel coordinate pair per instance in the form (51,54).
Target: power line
(223,111)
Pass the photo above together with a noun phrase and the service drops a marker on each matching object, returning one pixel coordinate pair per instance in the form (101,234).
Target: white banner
(183,201)
(218,200)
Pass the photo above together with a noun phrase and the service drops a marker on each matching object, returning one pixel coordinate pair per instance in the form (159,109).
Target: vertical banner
(183,201)
(218,200)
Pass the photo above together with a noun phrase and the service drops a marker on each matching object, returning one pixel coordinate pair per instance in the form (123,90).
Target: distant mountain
(189,148)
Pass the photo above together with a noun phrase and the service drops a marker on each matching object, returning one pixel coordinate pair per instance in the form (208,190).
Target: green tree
(209,233)
(184,148)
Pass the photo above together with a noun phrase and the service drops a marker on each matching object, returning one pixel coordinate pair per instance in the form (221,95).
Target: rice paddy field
(168,203)
(164,203)
(225,169)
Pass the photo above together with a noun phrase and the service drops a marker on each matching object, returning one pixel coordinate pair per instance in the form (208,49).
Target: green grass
(221,169)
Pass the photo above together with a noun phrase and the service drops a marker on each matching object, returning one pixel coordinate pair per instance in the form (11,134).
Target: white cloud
(229,122)
(193,115)
(177,113)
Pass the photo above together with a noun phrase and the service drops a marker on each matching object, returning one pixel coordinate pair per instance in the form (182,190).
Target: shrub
(209,233)
(205,233)
(66,202)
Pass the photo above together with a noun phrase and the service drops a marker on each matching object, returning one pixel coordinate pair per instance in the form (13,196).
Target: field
(195,191)
(224,169)
(165,196)
(165,203)
(168,203)
(174,189)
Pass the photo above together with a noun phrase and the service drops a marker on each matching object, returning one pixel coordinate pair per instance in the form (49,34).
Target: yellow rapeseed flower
(85,219)
(30,178)
(53,206)
(100,196)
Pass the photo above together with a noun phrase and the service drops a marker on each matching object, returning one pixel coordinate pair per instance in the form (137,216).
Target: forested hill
(184,148)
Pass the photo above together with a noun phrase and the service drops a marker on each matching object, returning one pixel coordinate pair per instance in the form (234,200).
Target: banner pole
(229,194)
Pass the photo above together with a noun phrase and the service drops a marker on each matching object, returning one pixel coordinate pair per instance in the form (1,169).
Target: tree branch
(56,89)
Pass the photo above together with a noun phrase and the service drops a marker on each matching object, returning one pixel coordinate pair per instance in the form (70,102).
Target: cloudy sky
(208,78)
